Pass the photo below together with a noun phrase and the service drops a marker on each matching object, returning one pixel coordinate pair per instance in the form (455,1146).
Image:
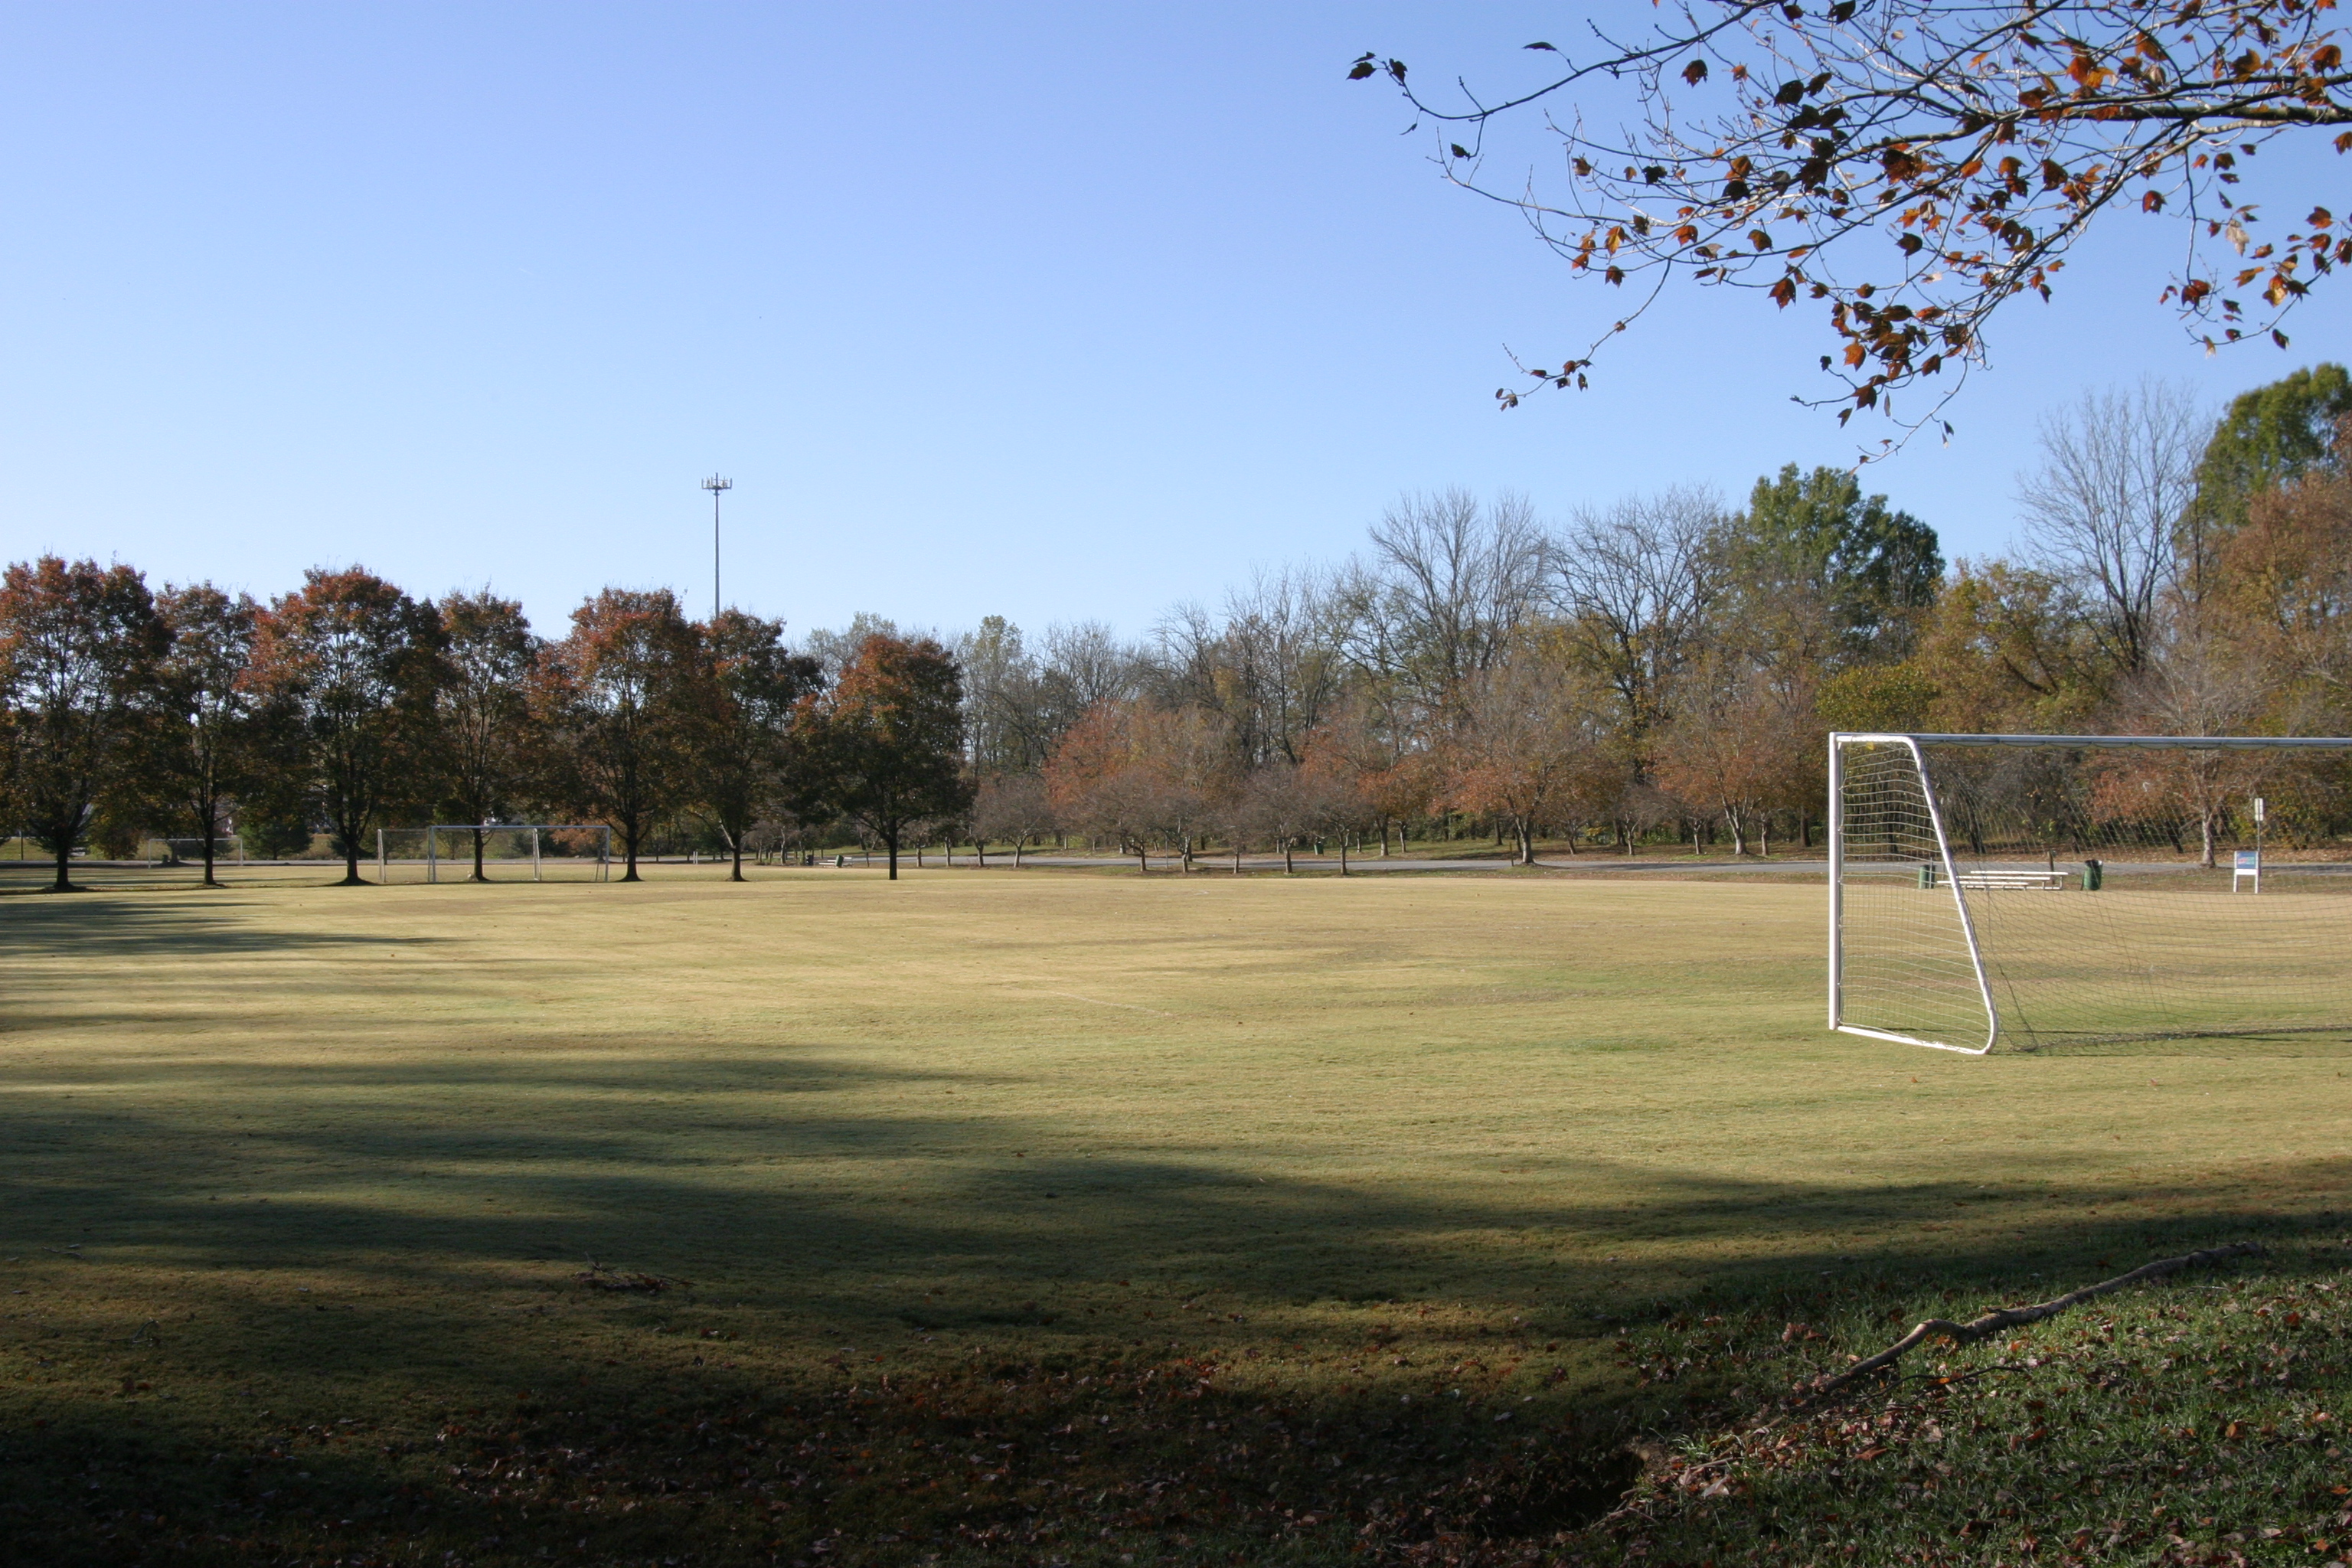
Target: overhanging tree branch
(1910,166)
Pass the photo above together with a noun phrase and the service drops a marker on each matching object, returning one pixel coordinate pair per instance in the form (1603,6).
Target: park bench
(1999,881)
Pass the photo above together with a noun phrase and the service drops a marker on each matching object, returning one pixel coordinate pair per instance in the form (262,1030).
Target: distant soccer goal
(2044,890)
(502,851)
(191,851)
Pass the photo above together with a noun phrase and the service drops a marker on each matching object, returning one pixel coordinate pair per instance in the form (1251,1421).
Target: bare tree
(1271,667)
(1085,664)
(2118,469)
(1636,584)
(1451,583)
(1005,714)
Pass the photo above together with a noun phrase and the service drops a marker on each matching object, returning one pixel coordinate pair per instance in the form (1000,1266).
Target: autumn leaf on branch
(1912,166)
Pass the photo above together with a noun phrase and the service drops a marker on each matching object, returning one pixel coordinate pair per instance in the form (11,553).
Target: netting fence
(2039,892)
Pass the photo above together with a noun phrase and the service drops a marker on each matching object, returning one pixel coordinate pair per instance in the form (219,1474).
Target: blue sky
(1053,311)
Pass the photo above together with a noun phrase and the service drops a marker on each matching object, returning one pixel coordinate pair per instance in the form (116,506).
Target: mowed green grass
(282,1158)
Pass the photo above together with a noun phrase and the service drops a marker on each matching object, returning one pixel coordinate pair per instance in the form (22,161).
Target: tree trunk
(64,884)
(629,851)
(2205,839)
(1287,868)
(1237,856)
(735,844)
(1143,859)
(1738,834)
(478,857)
(1343,853)
(890,843)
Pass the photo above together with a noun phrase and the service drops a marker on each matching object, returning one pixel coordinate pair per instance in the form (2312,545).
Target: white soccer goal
(191,851)
(510,852)
(2046,890)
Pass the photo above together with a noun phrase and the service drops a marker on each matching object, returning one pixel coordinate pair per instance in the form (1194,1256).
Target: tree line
(347,705)
(1660,670)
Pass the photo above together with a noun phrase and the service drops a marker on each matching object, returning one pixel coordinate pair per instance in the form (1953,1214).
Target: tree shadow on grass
(750,1167)
(1198,1356)
(133,929)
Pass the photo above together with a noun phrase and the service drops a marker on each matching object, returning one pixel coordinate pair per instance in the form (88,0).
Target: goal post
(510,852)
(2034,891)
(191,851)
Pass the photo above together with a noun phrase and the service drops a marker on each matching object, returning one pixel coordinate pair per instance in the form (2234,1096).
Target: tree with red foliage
(1530,750)
(623,693)
(885,746)
(356,666)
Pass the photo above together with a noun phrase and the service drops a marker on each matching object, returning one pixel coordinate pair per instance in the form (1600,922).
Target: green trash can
(2093,874)
(1928,874)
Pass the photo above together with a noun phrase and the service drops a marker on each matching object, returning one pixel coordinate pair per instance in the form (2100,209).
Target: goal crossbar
(1911,959)
(2155,742)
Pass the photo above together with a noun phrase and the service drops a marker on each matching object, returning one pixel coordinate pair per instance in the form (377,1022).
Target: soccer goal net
(191,851)
(501,851)
(2044,890)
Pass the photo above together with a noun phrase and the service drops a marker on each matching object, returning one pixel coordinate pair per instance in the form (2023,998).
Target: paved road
(1661,865)
(1211,864)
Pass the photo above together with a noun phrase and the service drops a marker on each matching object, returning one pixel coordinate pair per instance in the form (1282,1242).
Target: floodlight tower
(717,487)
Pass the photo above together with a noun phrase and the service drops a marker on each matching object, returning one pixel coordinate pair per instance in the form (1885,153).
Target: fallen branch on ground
(598,1278)
(1994,1321)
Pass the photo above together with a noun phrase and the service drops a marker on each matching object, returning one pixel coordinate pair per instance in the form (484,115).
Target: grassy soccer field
(1010,1215)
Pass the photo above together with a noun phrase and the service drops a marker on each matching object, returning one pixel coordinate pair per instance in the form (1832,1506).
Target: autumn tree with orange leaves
(885,746)
(1530,749)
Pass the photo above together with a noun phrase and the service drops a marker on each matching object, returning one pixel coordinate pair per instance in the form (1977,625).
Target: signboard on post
(2245,865)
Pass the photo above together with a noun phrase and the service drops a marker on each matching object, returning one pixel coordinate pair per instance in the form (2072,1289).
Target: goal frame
(1913,742)
(433,832)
